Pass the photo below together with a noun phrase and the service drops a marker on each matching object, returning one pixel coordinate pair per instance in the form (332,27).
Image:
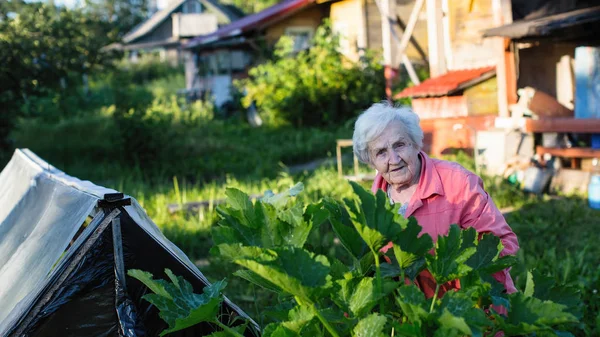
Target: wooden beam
(413,41)
(435,36)
(410,26)
(411,70)
(573,152)
(575,125)
(506,72)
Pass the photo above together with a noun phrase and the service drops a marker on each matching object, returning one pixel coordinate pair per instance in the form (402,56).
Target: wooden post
(338,152)
(387,7)
(410,26)
(435,36)
(506,72)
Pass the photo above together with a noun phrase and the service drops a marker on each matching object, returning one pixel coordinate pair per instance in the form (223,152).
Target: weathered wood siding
(467,20)
(403,10)
(347,21)
(374,39)
(539,67)
(311,17)
(482,98)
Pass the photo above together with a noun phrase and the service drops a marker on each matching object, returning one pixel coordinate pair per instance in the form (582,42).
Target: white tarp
(41,209)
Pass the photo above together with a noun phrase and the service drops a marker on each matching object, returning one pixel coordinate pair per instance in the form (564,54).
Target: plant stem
(437,289)
(228,329)
(379,282)
(402,280)
(324,321)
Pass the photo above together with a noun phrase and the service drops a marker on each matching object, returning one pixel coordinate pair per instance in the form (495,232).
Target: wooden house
(227,54)
(463,94)
(554,48)
(482,53)
(166,30)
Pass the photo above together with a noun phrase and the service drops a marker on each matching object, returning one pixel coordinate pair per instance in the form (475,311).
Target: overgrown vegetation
(315,87)
(356,294)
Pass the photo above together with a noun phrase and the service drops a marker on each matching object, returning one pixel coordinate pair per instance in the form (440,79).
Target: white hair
(371,123)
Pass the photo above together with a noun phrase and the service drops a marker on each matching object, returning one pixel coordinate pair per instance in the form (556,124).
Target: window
(192,6)
(301,36)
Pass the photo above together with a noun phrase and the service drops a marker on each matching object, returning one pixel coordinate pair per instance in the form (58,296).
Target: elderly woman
(437,193)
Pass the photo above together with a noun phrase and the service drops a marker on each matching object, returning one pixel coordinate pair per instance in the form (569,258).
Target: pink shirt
(450,194)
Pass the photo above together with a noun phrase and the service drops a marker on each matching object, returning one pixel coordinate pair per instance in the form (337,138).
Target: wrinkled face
(395,156)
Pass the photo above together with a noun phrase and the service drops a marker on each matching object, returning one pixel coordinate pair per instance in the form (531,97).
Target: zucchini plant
(374,296)
(368,294)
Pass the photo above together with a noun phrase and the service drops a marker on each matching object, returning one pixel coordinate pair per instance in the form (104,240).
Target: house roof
(160,16)
(273,13)
(448,83)
(547,25)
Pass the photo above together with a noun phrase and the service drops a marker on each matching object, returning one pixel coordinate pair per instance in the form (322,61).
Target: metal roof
(449,83)
(547,25)
(273,13)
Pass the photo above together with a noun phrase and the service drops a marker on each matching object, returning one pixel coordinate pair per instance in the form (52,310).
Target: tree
(41,47)
(121,15)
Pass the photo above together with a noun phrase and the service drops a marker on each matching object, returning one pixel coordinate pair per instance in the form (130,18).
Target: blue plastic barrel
(594,192)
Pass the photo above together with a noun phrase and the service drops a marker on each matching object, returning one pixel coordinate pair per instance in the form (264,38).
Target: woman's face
(395,156)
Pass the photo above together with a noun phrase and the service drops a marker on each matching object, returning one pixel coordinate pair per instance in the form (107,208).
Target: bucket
(594,192)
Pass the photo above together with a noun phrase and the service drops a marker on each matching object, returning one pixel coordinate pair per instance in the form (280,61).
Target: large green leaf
(256,279)
(273,221)
(344,230)
(546,289)
(451,253)
(409,247)
(359,295)
(488,249)
(407,329)
(413,304)
(370,326)
(299,317)
(179,306)
(458,311)
(375,220)
(529,314)
(294,271)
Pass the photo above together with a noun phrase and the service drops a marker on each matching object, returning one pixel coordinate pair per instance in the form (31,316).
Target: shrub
(313,87)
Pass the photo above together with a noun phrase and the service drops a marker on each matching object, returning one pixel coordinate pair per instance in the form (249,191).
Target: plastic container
(594,186)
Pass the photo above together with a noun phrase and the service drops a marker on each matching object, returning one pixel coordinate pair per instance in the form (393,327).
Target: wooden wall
(444,135)
(347,21)
(541,67)
(311,17)
(467,20)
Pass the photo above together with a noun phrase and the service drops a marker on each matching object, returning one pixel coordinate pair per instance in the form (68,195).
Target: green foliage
(317,86)
(43,49)
(343,300)
(179,306)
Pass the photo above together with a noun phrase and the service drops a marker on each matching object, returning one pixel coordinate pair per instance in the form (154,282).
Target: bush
(314,87)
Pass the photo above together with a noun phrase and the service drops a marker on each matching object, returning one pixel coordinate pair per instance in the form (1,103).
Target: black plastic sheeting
(84,305)
(92,301)
(141,251)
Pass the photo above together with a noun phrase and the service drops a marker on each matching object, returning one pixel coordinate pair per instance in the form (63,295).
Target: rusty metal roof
(449,83)
(273,13)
